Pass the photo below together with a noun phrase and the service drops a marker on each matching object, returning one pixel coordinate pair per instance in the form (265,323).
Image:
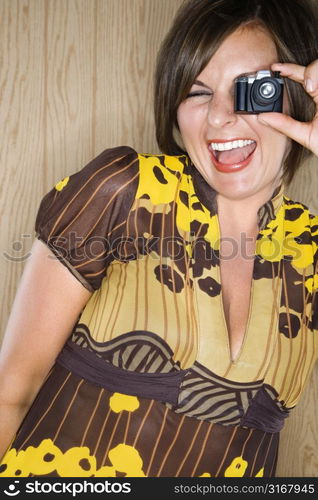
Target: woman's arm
(48,302)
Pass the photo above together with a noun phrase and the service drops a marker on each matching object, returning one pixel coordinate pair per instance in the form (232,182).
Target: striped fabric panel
(206,396)
(203,394)
(138,351)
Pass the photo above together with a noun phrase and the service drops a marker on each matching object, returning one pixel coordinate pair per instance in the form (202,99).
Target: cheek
(190,119)
(276,143)
(182,119)
(270,141)
(184,128)
(275,148)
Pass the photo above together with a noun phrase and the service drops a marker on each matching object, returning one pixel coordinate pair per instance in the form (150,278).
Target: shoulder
(123,171)
(302,225)
(163,164)
(300,214)
(109,178)
(110,169)
(160,176)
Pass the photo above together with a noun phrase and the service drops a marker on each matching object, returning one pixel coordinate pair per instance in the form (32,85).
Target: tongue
(235,155)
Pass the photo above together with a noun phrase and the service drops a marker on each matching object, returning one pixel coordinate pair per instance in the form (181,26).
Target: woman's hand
(304,133)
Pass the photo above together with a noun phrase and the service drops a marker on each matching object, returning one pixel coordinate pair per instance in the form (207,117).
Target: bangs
(197,32)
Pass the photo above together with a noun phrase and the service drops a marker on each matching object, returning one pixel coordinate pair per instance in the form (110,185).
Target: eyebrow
(201,84)
(243,74)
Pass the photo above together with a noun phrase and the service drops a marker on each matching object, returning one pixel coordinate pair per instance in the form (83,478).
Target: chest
(236,279)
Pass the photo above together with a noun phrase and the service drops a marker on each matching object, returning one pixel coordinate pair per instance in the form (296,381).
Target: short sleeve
(85,213)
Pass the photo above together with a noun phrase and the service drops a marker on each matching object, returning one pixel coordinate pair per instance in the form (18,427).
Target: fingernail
(309,84)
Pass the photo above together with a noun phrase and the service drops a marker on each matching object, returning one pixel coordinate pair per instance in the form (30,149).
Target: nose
(221,111)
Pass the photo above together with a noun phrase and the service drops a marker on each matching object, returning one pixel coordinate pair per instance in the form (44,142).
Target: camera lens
(267,90)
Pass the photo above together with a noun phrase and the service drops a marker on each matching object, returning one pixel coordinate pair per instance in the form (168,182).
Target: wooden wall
(75,78)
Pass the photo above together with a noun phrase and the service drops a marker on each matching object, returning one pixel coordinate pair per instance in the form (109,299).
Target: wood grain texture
(298,455)
(76,77)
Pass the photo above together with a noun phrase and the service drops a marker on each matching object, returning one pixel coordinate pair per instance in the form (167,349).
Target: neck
(241,215)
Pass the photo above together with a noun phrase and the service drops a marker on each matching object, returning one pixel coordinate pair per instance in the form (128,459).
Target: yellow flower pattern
(126,459)
(237,468)
(150,170)
(119,402)
(75,462)
(160,184)
(282,238)
(312,283)
(60,185)
(14,464)
(78,462)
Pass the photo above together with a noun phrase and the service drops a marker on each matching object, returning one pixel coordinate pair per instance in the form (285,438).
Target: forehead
(247,49)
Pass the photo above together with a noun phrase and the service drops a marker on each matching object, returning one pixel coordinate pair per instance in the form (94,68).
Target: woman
(186,280)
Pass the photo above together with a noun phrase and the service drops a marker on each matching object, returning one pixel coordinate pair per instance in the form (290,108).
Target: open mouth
(229,156)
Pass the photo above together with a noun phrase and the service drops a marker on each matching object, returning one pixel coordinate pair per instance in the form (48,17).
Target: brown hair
(198,30)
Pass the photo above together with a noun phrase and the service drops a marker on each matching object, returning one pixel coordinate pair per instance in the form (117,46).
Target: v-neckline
(206,196)
(234,361)
(227,333)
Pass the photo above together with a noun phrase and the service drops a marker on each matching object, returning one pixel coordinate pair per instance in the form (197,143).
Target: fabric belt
(86,364)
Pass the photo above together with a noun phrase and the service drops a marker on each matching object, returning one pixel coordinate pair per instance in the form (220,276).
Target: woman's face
(208,124)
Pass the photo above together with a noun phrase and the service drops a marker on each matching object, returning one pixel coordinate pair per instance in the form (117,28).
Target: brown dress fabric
(145,385)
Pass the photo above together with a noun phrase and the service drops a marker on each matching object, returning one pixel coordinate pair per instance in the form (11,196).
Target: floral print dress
(145,385)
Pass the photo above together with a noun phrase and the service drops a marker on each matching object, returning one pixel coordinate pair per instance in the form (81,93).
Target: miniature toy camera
(259,92)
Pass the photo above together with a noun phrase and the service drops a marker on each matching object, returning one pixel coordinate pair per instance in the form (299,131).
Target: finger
(298,131)
(293,71)
(311,77)
(307,76)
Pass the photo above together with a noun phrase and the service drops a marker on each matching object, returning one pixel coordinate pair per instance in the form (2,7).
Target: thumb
(286,125)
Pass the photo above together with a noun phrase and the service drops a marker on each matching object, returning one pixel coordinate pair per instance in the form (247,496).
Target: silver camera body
(259,92)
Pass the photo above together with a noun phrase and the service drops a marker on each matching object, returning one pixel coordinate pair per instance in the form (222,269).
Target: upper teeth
(225,146)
